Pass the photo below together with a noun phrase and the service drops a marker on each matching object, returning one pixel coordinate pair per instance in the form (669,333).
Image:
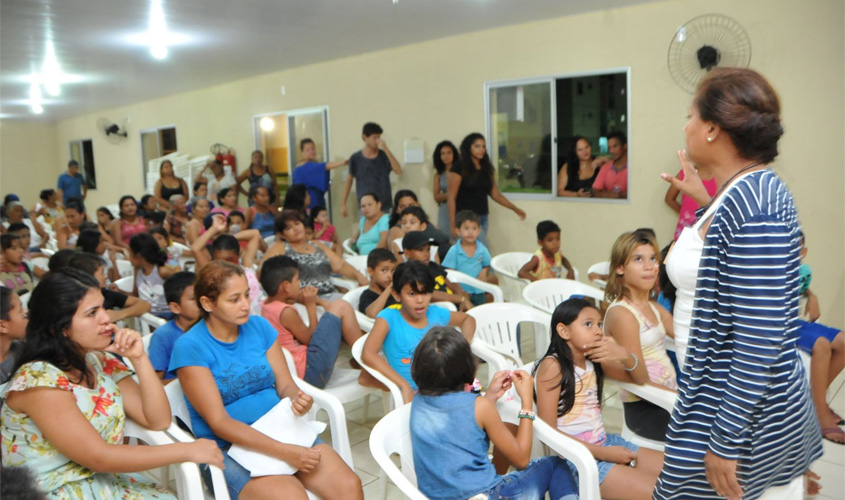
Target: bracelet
(530,415)
(636,364)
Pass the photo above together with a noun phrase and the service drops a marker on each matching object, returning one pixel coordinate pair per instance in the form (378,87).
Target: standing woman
(576,176)
(259,174)
(471,181)
(233,372)
(129,223)
(744,424)
(69,398)
(445,155)
(169,185)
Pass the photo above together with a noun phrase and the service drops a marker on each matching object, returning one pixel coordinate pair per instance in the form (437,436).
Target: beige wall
(29,159)
(433,91)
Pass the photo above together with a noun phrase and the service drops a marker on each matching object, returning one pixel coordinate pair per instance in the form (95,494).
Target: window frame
(157,131)
(83,165)
(551,80)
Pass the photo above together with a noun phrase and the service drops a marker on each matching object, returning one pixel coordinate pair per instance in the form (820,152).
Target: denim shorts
(235,474)
(604,467)
(322,351)
(546,474)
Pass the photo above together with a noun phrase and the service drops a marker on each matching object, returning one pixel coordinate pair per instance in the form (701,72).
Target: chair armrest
(495,361)
(578,454)
(344,283)
(337,418)
(218,481)
(459,277)
(661,397)
(365,323)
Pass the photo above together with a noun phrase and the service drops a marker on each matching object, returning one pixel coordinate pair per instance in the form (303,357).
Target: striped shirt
(744,394)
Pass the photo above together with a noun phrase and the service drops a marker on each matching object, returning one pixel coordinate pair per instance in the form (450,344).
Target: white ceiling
(227,40)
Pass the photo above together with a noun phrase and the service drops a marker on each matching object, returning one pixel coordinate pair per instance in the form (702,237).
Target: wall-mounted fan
(702,44)
(114,133)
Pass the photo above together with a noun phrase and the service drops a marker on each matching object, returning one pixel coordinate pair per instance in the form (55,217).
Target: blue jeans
(322,351)
(547,474)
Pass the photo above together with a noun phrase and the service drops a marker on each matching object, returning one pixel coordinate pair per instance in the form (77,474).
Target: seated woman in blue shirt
(238,354)
(373,225)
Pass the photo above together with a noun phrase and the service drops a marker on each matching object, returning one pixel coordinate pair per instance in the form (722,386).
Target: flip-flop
(839,420)
(830,431)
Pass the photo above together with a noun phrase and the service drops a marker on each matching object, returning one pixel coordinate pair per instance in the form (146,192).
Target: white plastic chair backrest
(114,209)
(269,240)
(25,300)
(359,262)
(353,297)
(496,325)
(392,434)
(545,295)
(42,262)
(602,268)
(347,247)
(461,278)
(150,322)
(125,268)
(178,404)
(48,252)
(507,265)
(395,391)
(126,284)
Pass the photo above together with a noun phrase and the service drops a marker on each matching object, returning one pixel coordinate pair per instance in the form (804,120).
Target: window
(156,143)
(531,124)
(83,152)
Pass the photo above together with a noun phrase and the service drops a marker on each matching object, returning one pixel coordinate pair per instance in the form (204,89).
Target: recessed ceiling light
(35,99)
(51,73)
(158,31)
(267,124)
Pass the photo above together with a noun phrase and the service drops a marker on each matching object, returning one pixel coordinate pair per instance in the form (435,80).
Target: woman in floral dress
(69,398)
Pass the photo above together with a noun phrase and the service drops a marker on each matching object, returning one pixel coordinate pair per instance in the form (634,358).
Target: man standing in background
(72,184)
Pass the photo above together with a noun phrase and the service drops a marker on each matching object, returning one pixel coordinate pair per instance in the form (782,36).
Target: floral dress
(58,476)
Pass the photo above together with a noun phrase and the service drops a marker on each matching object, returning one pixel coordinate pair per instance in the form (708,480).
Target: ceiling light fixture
(51,74)
(35,98)
(158,31)
(267,124)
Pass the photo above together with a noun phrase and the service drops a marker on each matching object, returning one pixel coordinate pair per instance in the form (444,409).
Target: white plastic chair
(365,323)
(269,240)
(496,325)
(660,397)
(507,265)
(602,268)
(150,322)
(25,299)
(125,268)
(359,262)
(461,278)
(125,284)
(347,247)
(392,434)
(48,252)
(42,262)
(545,295)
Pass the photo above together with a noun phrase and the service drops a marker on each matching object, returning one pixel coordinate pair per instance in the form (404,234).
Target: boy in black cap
(417,246)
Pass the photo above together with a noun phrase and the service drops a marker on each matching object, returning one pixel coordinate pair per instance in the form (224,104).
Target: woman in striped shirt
(744,423)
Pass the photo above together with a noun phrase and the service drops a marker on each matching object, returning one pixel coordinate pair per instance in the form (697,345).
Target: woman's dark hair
(122,199)
(52,305)
(145,246)
(285,217)
(222,194)
(573,163)
(198,184)
(443,362)
(86,262)
(88,241)
(145,199)
(161,167)
(106,211)
(439,166)
(160,231)
(663,281)
(45,194)
(746,107)
(371,195)
(295,198)
(394,212)
(413,273)
(566,313)
(60,259)
(77,205)
(417,212)
(466,166)
(254,190)
(211,280)
(5,302)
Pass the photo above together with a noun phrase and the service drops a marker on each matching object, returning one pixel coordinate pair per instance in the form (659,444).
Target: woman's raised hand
(127,343)
(691,185)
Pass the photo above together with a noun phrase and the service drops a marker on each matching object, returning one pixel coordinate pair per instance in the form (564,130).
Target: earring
(709,139)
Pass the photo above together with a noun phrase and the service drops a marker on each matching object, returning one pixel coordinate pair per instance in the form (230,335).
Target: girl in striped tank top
(569,393)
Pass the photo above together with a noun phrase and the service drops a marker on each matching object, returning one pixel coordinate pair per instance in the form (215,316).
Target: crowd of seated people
(229,299)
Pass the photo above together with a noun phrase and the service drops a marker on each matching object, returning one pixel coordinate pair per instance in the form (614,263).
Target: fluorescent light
(35,99)
(158,31)
(267,124)
(50,73)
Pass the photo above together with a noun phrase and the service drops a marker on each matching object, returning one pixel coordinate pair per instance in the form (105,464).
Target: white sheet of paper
(282,425)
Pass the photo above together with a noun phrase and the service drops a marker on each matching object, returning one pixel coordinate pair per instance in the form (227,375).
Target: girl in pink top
(228,202)
(687,207)
(129,223)
(323,228)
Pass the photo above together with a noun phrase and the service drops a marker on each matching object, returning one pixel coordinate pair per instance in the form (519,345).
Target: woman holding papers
(238,354)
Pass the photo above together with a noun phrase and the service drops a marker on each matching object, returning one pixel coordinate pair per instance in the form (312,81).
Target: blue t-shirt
(316,179)
(71,186)
(402,339)
(161,346)
(457,259)
(369,240)
(243,375)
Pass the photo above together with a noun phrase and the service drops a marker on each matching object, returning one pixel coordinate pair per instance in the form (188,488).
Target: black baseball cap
(415,239)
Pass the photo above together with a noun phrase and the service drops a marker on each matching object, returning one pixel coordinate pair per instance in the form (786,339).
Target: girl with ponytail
(149,261)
